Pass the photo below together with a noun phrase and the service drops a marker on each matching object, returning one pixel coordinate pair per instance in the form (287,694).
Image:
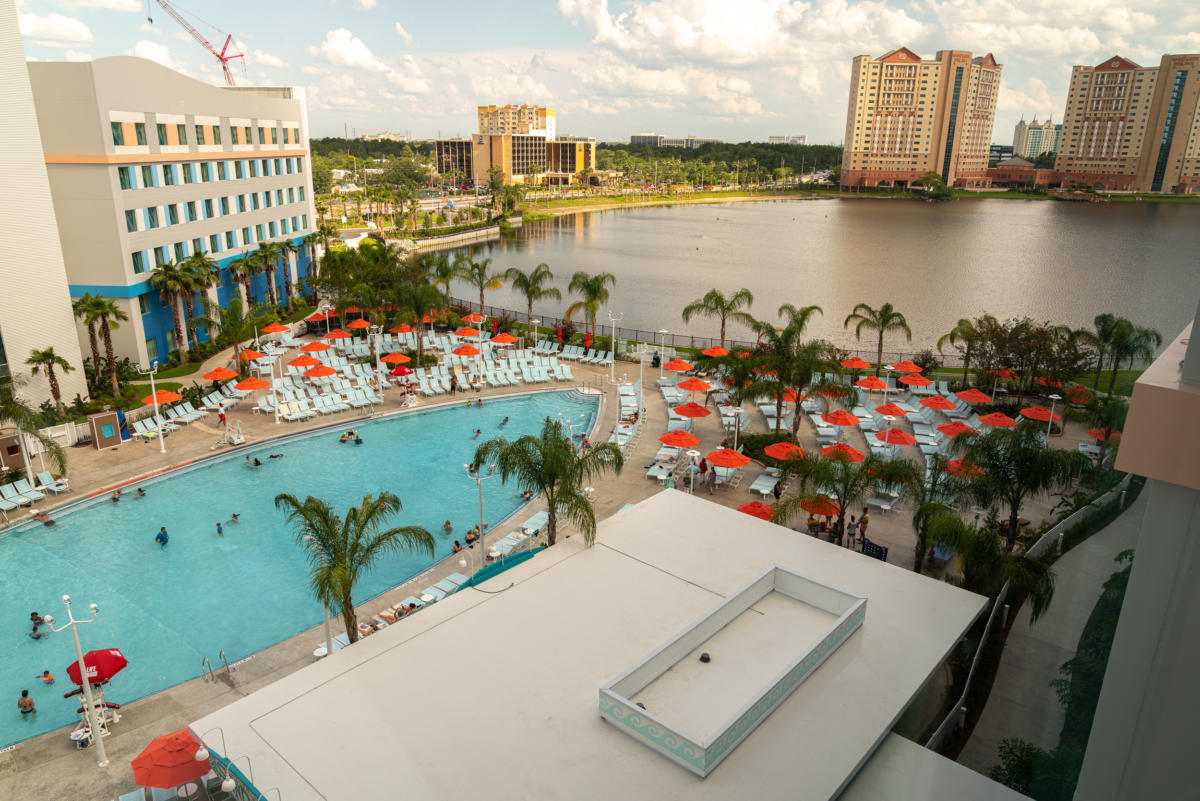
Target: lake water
(936,263)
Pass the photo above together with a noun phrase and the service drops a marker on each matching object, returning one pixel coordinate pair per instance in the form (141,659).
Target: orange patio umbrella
(466,350)
(315,347)
(842,453)
(855,363)
(250,355)
(890,410)
(958,467)
(403,328)
(973,396)
(320,372)
(939,403)
(316,317)
(840,417)
(337,333)
(220,374)
(1003,372)
(1102,435)
(679,439)
(466,332)
(906,367)
(914,380)
(784,450)
(691,410)
(998,420)
(790,396)
(474,317)
(251,384)
(360,323)
(956,429)
(304,360)
(275,328)
(821,505)
(1047,381)
(896,436)
(678,366)
(162,396)
(169,761)
(871,382)
(726,457)
(395,358)
(695,385)
(716,351)
(503,339)
(1040,413)
(353,310)
(1079,394)
(757,509)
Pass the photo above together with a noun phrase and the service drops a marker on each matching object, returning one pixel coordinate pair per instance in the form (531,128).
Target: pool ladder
(206,669)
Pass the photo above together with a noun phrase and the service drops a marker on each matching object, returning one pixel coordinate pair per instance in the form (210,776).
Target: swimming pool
(245,591)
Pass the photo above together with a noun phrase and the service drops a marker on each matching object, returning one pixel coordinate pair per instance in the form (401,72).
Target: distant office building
(907,117)
(385,137)
(787,140)
(530,120)
(653,139)
(999,152)
(148,166)
(1032,139)
(1133,128)
(35,306)
(658,140)
(1021,174)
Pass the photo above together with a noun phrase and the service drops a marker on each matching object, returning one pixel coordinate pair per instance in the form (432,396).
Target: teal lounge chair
(22,486)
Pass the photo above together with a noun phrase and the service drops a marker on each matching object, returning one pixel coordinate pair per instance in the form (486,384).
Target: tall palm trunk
(1099,369)
(180,341)
(722,332)
(529,319)
(249,297)
(91,326)
(349,618)
(966,367)
(551,521)
(879,354)
(481,300)
(193,337)
(54,390)
(271,286)
(106,332)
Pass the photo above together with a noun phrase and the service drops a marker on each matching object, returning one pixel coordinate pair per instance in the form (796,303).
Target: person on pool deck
(453,383)
(46,677)
(447,527)
(25,704)
(456,547)
(162,538)
(220,531)
(233,517)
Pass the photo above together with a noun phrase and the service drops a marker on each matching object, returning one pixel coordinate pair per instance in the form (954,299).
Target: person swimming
(447,527)
(276,456)
(141,493)
(233,517)
(476,434)
(44,519)
(357,439)
(526,495)
(503,423)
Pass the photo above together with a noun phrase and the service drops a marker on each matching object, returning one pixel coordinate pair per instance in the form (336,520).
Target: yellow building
(521,142)
(908,116)
(523,119)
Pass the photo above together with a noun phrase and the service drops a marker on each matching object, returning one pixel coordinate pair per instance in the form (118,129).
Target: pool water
(168,608)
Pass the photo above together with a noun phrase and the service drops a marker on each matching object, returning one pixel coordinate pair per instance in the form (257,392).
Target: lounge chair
(365,630)
(660,471)
(457,578)
(535,523)
(6,507)
(22,486)
(446,586)
(8,493)
(433,592)
(764,484)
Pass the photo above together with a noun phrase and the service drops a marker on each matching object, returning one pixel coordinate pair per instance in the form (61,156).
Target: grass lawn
(1124,385)
(169,386)
(178,372)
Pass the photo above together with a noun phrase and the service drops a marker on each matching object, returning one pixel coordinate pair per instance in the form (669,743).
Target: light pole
(376,333)
(1050,423)
(93,724)
(312,544)
(479,478)
(530,332)
(162,447)
(571,426)
(612,363)
(274,399)
(662,332)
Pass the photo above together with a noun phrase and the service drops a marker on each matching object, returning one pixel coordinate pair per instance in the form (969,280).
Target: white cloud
(1035,100)
(405,35)
(54,28)
(262,59)
(108,5)
(344,49)
(146,27)
(156,52)
(365,4)
(76,55)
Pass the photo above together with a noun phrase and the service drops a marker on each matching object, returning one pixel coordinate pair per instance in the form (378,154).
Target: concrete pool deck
(50,767)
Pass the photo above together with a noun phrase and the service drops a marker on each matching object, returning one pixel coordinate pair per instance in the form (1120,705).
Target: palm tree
(1131,342)
(84,308)
(1100,339)
(16,412)
(987,566)
(287,248)
(269,254)
(172,283)
(798,316)
(47,359)
(241,268)
(714,304)
(341,549)
(884,320)
(549,466)
(201,273)
(786,363)
(422,299)
(593,293)
(1107,413)
(109,314)
(1014,464)
(441,271)
(966,332)
(846,482)
(531,286)
(239,326)
(478,274)
(929,498)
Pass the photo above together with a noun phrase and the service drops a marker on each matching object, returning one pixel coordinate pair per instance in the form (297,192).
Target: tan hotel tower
(908,116)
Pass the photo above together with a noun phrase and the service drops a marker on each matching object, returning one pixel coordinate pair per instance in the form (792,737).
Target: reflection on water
(1065,262)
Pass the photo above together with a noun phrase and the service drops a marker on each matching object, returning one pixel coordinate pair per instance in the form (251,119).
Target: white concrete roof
(494,694)
(901,770)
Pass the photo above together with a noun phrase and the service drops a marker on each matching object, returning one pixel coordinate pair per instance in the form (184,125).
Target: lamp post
(479,478)
(93,724)
(612,363)
(571,426)
(311,544)
(534,323)
(162,448)
(1050,423)
(376,334)
(274,399)
(662,333)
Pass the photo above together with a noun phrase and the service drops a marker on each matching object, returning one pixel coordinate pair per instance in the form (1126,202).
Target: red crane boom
(222,55)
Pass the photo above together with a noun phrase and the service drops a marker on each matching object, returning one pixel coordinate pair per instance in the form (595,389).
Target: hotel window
(296,135)
(283,225)
(190,211)
(151,347)
(214,243)
(197,246)
(246,135)
(274,229)
(162,133)
(253,168)
(230,240)
(139,130)
(246,237)
(189,175)
(267,199)
(208,208)
(278,171)
(205,172)
(304,221)
(180,251)
(239,167)
(181,133)
(160,256)
(224,206)
(222,173)
(295,223)
(130,220)
(147,175)
(274,136)
(144,304)
(300,193)
(291,195)
(199,134)
(258,231)
(168,174)
(262,136)
(216,129)
(299,163)
(125,177)
(241,203)
(266,168)
(278,197)
(172,214)
(235,135)
(254,200)
(118,134)
(151,217)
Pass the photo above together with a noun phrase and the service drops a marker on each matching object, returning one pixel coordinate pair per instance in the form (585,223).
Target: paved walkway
(1022,703)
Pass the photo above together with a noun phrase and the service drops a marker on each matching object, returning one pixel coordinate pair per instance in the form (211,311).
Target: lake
(936,263)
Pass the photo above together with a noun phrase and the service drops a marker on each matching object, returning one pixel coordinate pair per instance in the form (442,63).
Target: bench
(882,504)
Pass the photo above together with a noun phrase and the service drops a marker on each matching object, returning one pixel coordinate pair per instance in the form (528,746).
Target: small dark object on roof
(704,657)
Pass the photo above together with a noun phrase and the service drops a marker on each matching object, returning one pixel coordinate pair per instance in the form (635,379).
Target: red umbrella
(275,328)
(821,506)
(914,380)
(395,358)
(715,351)
(161,396)
(855,363)
(784,450)
(890,410)
(1040,413)
(757,509)
(587,339)
(998,420)
(1079,394)
(353,310)
(320,372)
(695,385)
(957,428)
(906,367)
(939,403)
(101,666)
(503,339)
(727,457)
(896,436)
(337,333)
(842,453)
(1101,435)
(465,350)
(403,328)
(560,333)
(250,355)
(466,332)
(169,761)
(692,410)
(1047,381)
(220,374)
(316,317)
(679,439)
(359,324)
(251,384)
(840,417)
(402,370)
(474,317)
(958,467)
(678,366)
(304,360)
(495,325)
(315,347)
(973,396)
(1003,372)
(871,382)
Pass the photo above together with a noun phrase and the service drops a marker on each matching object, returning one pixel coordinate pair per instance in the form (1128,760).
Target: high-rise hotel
(523,143)
(1133,128)
(908,116)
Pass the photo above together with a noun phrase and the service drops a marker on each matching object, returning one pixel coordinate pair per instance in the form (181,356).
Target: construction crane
(224,55)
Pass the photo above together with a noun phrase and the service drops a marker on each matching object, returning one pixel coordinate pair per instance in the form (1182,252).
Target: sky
(736,70)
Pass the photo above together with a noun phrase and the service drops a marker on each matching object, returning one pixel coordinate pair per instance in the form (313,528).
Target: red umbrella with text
(998,420)
(757,509)
(402,370)
(973,396)
(855,363)
(842,453)
(101,666)
(170,760)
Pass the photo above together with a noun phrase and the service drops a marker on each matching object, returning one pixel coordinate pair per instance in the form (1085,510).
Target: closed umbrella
(998,420)
(727,457)
(679,439)
(973,396)
(842,453)
(169,761)
(495,325)
(784,450)
(587,339)
(757,509)
(558,333)
(938,403)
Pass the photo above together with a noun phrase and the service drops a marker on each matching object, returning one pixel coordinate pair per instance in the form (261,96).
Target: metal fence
(957,717)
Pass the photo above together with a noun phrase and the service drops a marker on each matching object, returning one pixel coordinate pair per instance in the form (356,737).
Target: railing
(958,713)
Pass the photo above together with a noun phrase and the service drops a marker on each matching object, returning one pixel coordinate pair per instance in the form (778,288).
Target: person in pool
(456,547)
(503,423)
(162,538)
(447,527)
(46,677)
(25,704)
(357,439)
(44,519)
(476,434)
(116,496)
(343,437)
(526,495)
(141,493)
(233,517)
